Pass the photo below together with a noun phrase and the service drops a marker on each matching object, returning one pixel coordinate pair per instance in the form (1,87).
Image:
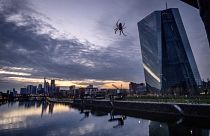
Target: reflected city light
(14,118)
(58,108)
(11,120)
(24,112)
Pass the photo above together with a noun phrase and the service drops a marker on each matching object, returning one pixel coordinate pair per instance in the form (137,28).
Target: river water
(32,118)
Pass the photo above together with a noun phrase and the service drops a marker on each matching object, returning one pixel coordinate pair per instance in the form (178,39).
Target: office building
(31,89)
(40,90)
(167,57)
(137,88)
(52,86)
(46,86)
(23,91)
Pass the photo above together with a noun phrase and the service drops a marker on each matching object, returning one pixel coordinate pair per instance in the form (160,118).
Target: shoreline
(192,114)
(166,109)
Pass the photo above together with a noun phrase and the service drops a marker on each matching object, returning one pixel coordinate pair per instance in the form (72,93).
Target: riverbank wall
(197,111)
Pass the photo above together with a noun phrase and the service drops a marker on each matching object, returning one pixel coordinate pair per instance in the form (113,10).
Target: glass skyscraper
(168,60)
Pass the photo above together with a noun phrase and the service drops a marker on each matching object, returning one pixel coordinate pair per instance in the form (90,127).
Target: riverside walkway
(187,110)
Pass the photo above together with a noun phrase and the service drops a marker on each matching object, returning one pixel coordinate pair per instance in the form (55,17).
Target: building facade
(31,89)
(23,91)
(52,86)
(167,57)
(137,88)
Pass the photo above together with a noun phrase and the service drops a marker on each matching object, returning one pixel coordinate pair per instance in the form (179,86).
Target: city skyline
(41,39)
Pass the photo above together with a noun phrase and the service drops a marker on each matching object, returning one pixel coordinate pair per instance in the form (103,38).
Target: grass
(172,99)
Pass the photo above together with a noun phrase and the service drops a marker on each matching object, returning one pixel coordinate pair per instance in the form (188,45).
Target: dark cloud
(28,41)
(24,46)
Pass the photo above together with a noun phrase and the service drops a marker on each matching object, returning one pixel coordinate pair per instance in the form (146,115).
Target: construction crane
(118,90)
(120,94)
(115,86)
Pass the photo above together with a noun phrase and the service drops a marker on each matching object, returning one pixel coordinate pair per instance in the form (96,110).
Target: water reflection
(15,115)
(32,108)
(119,119)
(163,129)
(44,119)
(85,112)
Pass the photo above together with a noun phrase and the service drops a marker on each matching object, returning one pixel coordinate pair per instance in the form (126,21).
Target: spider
(120,27)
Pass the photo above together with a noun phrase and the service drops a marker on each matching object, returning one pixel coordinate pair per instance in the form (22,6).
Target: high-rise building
(40,89)
(23,91)
(34,90)
(46,86)
(31,89)
(168,60)
(52,86)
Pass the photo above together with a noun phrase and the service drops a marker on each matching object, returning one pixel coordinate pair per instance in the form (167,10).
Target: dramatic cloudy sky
(73,41)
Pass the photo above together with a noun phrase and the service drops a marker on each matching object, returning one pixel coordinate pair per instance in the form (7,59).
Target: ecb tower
(167,57)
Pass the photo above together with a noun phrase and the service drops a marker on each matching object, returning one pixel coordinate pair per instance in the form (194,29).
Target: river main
(40,118)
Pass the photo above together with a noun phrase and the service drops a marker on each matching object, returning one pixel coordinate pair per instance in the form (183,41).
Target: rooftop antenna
(166,5)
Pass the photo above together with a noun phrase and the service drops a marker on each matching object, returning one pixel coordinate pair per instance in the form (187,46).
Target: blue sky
(73,41)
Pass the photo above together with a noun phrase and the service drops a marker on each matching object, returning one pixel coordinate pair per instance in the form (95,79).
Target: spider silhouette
(120,27)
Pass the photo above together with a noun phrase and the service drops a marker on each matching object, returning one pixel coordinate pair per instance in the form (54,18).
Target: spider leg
(116,30)
(117,23)
(120,32)
(124,27)
(123,33)
(123,24)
